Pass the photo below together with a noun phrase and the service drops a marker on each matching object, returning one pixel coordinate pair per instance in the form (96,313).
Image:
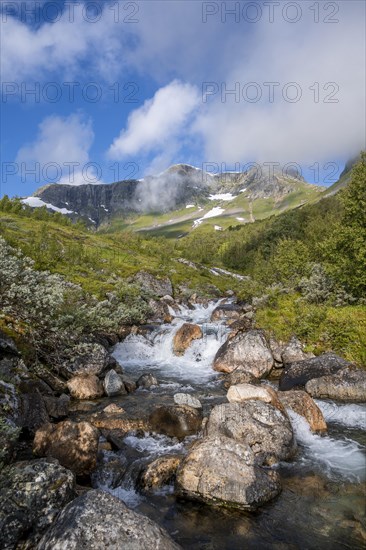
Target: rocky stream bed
(200,433)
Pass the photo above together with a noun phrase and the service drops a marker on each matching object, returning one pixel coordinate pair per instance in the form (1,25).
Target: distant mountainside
(180,194)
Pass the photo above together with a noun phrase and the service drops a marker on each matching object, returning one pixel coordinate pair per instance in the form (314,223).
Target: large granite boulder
(113,384)
(86,359)
(99,520)
(159,472)
(146,381)
(32,493)
(85,387)
(224,312)
(184,337)
(156,286)
(265,429)
(176,420)
(187,399)
(293,351)
(301,403)
(220,470)
(346,385)
(74,444)
(247,392)
(297,374)
(248,351)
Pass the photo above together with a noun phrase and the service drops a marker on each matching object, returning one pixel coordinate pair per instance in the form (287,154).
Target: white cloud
(158,123)
(61,140)
(32,53)
(306,131)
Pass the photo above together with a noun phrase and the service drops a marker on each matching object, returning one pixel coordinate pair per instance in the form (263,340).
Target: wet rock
(57,407)
(31,495)
(266,430)
(160,312)
(184,337)
(247,392)
(113,409)
(99,520)
(346,385)
(297,374)
(157,286)
(74,444)
(176,420)
(85,387)
(300,402)
(187,399)
(120,422)
(220,470)
(86,359)
(248,351)
(130,385)
(225,312)
(293,351)
(109,472)
(146,381)
(113,384)
(159,472)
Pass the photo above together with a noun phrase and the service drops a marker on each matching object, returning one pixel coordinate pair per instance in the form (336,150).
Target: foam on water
(152,445)
(339,457)
(351,415)
(138,353)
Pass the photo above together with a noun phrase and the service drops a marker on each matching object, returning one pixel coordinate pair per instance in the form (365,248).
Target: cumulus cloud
(30,52)
(158,123)
(64,141)
(171,41)
(309,130)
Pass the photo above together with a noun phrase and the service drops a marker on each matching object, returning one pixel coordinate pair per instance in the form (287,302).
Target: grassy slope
(179,222)
(94,260)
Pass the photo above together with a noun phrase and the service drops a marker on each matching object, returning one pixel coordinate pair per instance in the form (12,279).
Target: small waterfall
(138,354)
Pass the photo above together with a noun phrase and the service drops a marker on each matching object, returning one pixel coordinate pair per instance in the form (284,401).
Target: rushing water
(322,502)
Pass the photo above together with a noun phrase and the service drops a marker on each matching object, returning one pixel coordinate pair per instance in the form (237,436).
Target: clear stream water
(322,504)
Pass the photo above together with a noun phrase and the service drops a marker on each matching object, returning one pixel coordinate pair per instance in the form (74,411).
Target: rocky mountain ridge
(175,188)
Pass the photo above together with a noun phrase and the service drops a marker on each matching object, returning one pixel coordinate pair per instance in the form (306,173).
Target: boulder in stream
(85,387)
(187,399)
(74,444)
(99,520)
(32,493)
(184,337)
(300,402)
(86,359)
(264,428)
(346,385)
(220,470)
(159,472)
(146,381)
(248,351)
(246,392)
(176,420)
(297,374)
(113,384)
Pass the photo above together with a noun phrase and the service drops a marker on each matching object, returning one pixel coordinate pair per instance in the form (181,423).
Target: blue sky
(155,83)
